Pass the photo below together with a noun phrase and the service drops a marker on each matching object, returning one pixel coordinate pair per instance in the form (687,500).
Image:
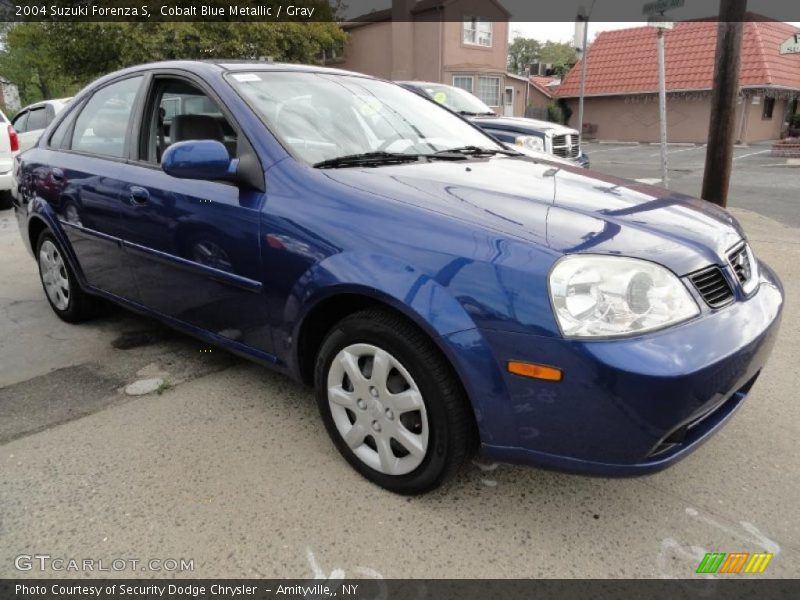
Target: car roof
(45,103)
(233,65)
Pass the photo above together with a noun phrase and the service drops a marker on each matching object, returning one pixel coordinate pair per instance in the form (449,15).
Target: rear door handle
(139,195)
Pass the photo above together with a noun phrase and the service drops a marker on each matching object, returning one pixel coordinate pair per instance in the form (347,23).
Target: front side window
(180,111)
(489,90)
(477,31)
(102,126)
(319,116)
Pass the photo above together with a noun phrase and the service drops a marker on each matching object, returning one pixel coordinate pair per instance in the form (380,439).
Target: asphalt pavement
(227,465)
(761,183)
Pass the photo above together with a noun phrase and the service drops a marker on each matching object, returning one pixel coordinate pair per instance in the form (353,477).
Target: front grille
(566,146)
(712,286)
(740,261)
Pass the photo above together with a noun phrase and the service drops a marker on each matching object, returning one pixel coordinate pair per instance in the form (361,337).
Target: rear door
(194,244)
(83,174)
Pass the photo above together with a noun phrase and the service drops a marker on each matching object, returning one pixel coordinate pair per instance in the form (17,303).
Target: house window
(477,31)
(489,90)
(463,82)
(769,106)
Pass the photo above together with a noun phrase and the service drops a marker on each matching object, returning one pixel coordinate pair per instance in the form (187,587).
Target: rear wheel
(391,403)
(60,285)
(5,200)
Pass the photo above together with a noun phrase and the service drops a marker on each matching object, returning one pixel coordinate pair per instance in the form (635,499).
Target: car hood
(567,209)
(523,124)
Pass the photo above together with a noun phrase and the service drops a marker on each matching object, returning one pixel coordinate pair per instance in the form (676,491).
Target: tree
(48,60)
(521,53)
(27,60)
(561,55)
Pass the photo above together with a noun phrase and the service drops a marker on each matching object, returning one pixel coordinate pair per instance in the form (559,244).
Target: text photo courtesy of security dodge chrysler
(443,293)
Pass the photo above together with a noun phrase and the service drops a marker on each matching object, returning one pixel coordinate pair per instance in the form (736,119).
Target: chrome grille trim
(566,146)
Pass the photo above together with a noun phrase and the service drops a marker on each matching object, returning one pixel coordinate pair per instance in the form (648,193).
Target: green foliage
(554,113)
(521,53)
(27,59)
(48,60)
(794,121)
(561,54)
(525,51)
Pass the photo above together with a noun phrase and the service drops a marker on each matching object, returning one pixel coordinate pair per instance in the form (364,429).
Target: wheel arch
(322,297)
(41,218)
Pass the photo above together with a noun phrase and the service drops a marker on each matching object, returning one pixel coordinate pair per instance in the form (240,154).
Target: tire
(417,416)
(60,285)
(6,201)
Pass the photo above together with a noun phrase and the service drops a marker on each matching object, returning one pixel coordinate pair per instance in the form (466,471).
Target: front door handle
(139,195)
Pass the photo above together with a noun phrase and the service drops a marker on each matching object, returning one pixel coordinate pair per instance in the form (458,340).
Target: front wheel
(391,403)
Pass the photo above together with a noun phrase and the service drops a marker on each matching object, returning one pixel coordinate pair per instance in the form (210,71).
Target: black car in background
(530,134)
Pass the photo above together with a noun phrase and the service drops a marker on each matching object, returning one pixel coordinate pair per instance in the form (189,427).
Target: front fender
(420,298)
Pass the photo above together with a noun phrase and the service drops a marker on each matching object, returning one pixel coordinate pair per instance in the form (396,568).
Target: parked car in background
(441,292)
(9,148)
(533,134)
(31,121)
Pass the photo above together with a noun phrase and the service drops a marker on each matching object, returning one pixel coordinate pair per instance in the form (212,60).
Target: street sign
(661,22)
(792,45)
(659,6)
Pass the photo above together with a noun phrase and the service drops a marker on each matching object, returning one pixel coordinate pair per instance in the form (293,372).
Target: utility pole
(583,17)
(719,152)
(655,11)
(662,106)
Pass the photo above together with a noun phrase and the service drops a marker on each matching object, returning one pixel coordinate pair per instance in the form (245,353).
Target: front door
(194,245)
(508,102)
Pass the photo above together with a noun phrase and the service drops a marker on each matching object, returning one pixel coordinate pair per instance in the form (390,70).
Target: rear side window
(102,125)
(37,119)
(19,122)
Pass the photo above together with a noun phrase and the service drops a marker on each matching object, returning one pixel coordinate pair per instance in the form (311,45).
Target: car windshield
(456,99)
(320,117)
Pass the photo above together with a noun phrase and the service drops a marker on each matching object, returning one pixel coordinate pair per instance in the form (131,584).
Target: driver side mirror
(199,159)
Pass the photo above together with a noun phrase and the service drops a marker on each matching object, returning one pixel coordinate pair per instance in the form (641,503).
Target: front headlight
(531,142)
(614,296)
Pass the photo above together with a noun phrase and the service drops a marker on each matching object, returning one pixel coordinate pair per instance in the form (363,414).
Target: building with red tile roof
(621,101)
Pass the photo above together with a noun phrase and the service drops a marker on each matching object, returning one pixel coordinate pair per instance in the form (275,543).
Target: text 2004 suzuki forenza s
(439,290)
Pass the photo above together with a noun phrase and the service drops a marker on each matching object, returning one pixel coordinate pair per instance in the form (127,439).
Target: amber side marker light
(534,371)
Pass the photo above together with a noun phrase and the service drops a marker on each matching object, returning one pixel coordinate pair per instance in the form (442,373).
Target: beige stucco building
(621,100)
(456,42)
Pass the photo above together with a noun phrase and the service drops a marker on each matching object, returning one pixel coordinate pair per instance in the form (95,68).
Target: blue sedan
(441,292)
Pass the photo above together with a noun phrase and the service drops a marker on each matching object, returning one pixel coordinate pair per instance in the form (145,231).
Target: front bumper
(633,406)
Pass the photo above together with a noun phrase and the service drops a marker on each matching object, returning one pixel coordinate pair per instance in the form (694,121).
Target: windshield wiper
(366,158)
(474,151)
